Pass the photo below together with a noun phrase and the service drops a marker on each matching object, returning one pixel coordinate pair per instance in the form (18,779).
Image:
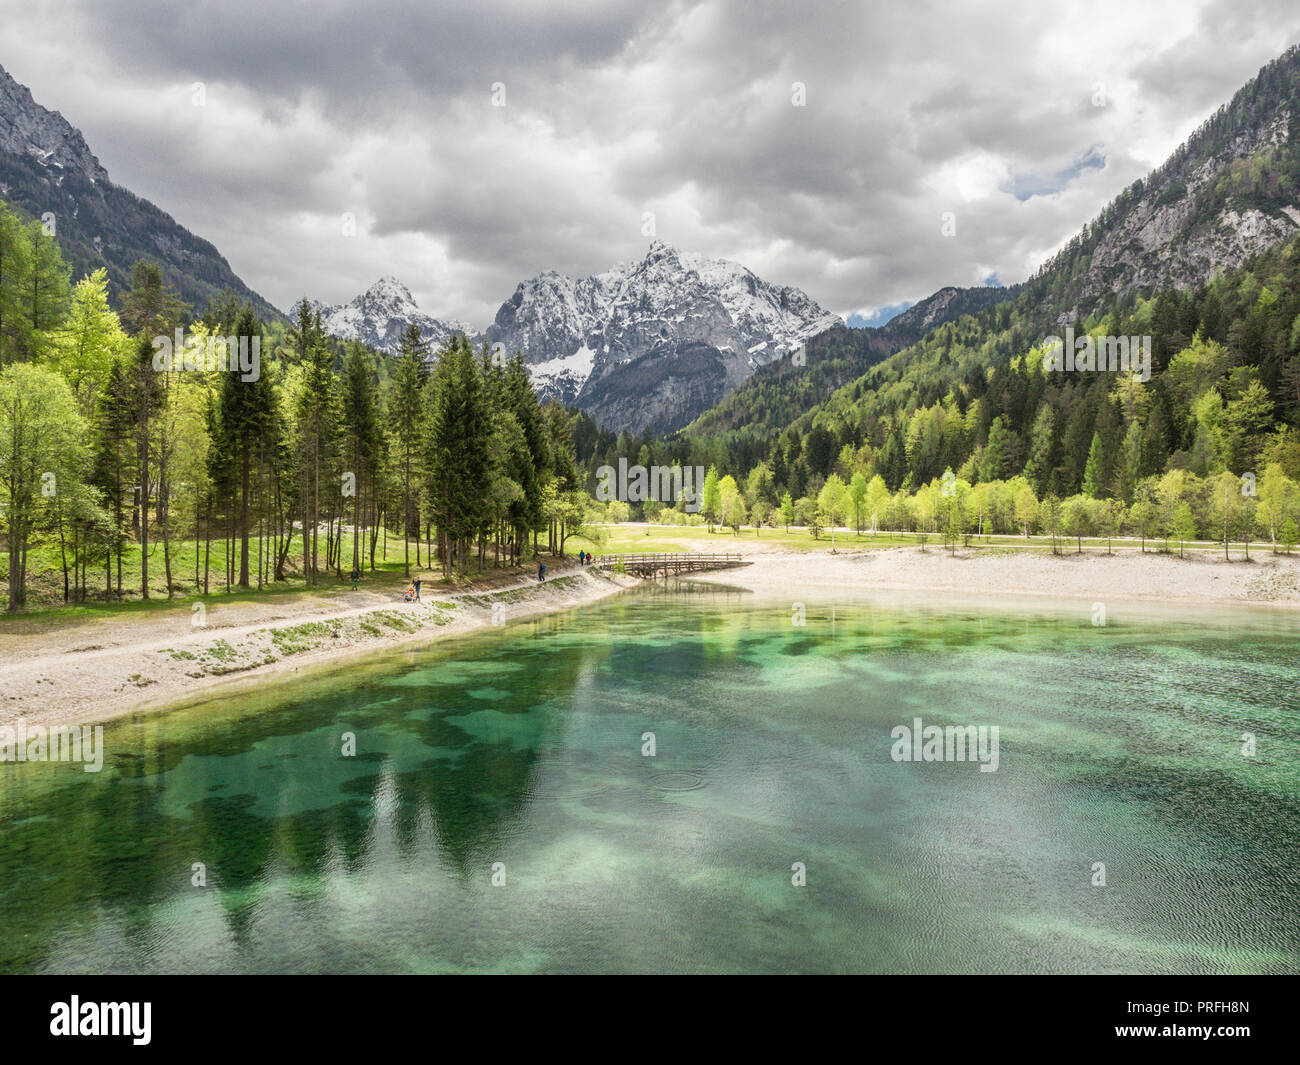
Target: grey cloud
(614,109)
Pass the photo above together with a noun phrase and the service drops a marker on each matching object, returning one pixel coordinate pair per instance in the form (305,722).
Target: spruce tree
(456,443)
(110,473)
(1093,475)
(316,417)
(149,307)
(361,432)
(408,411)
(246,416)
(1043,456)
(533,474)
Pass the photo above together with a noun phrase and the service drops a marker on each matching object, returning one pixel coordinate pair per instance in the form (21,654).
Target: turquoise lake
(516,754)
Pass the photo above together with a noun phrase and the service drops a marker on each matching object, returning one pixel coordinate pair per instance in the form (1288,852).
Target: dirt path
(105,667)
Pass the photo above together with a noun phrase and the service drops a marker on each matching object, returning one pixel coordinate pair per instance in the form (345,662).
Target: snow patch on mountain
(569,374)
(576,332)
(674,323)
(379,316)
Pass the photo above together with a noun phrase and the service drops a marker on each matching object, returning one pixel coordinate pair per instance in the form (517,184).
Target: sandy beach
(108,667)
(1126,575)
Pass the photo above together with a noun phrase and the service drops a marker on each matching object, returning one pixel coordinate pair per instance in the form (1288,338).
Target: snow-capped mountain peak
(379,315)
(388,289)
(580,336)
(647,344)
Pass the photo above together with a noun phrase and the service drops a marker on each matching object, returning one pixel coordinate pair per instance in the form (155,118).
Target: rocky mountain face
(46,137)
(653,343)
(379,315)
(653,392)
(47,169)
(1226,194)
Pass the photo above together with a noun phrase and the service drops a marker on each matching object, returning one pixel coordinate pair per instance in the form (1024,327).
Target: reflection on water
(522,750)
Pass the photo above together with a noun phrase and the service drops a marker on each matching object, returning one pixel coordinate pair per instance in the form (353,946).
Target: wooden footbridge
(654,565)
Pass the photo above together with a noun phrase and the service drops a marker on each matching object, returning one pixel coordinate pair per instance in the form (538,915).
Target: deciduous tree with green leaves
(43,452)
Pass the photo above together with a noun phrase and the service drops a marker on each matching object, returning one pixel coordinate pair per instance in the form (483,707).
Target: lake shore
(111,667)
(1127,575)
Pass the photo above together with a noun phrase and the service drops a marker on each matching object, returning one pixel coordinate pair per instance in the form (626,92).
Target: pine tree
(1129,463)
(316,418)
(1107,436)
(456,443)
(570,502)
(110,473)
(150,308)
(407,409)
(1094,479)
(146,396)
(246,416)
(360,410)
(1075,445)
(1042,450)
(994,465)
(14,262)
(34,289)
(532,473)
(46,290)
(1155,442)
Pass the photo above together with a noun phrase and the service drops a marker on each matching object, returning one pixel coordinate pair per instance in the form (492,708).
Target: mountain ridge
(378,316)
(776,394)
(47,169)
(710,318)
(1218,200)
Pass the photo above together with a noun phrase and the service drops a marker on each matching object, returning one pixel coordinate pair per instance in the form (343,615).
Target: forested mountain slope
(1231,191)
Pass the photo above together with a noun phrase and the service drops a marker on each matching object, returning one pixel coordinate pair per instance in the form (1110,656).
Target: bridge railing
(658,559)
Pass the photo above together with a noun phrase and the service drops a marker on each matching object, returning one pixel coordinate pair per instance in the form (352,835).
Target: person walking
(417,587)
(356,576)
(541,572)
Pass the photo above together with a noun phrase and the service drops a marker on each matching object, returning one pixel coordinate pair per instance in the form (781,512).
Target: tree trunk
(144,516)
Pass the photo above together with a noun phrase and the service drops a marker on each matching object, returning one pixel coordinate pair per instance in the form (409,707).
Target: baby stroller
(409,595)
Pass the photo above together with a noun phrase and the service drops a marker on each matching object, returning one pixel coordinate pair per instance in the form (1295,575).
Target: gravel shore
(109,667)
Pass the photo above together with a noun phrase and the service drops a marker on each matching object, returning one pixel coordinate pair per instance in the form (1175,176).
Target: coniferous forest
(120,478)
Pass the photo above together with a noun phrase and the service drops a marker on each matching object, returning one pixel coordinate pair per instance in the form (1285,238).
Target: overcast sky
(1022,119)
